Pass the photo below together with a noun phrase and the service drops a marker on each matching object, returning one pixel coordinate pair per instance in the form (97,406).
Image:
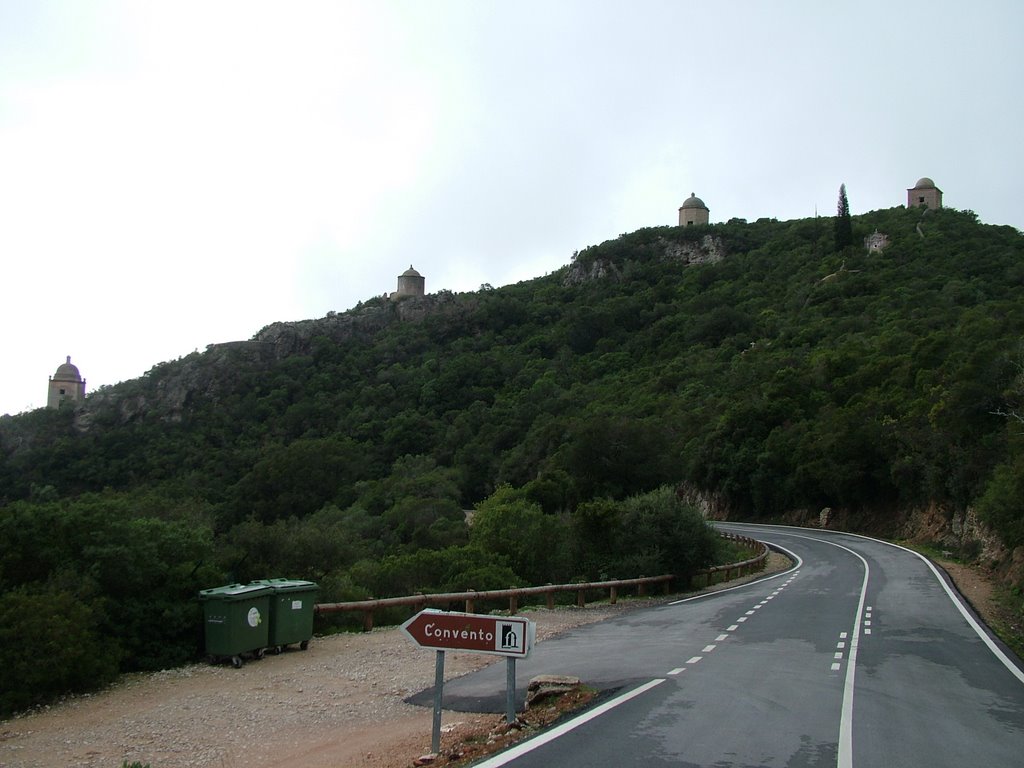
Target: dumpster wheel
(304,645)
(236,662)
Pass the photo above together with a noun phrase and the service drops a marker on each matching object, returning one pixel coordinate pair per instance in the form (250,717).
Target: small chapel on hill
(66,386)
(924,194)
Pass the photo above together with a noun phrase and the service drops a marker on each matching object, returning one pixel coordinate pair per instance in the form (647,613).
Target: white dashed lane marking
(842,643)
(733,627)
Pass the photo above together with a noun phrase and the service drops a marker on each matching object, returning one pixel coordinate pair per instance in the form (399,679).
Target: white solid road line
(548,736)
(978,629)
(845,757)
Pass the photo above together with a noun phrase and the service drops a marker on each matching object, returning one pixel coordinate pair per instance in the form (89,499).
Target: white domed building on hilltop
(66,386)
(693,211)
(924,194)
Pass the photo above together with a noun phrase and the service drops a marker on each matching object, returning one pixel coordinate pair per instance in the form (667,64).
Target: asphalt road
(861,655)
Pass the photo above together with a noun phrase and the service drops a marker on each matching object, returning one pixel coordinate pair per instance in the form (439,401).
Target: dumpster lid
(288,585)
(235,592)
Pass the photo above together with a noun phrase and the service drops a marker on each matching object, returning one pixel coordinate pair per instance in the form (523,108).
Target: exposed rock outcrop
(710,505)
(598,269)
(291,338)
(710,250)
(166,391)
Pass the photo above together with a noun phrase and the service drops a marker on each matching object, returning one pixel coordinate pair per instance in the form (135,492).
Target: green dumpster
(291,612)
(236,620)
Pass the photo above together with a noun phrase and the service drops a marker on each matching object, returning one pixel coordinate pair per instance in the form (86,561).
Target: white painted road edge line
(985,638)
(548,736)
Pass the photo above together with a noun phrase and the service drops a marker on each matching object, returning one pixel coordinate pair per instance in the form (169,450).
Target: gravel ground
(340,703)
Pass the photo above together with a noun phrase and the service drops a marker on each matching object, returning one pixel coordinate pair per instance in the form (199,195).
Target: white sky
(184,172)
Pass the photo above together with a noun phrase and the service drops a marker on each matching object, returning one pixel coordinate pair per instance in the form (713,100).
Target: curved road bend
(858,656)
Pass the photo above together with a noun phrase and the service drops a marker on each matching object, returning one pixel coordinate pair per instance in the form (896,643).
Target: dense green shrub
(50,645)
(645,535)
(1002,504)
(534,544)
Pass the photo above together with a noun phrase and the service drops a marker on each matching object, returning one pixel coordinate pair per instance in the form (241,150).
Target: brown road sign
(472,632)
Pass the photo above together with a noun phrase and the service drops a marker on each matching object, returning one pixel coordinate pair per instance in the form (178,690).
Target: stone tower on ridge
(66,386)
(693,211)
(410,283)
(924,194)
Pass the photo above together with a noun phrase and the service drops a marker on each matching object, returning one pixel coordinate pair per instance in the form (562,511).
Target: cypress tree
(844,227)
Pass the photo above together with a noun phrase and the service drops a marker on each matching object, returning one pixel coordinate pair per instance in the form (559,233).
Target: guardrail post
(470,602)
(667,586)
(367,620)
(513,604)
(581,599)
(551,599)
(613,595)
(641,590)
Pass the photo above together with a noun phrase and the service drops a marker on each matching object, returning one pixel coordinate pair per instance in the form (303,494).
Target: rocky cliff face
(959,532)
(166,391)
(709,250)
(296,337)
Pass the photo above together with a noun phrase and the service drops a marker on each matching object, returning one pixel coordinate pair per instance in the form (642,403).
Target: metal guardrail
(514,595)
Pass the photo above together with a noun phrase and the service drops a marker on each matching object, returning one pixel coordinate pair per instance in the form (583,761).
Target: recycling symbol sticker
(254,617)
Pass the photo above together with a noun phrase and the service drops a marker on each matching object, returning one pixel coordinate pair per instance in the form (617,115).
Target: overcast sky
(177,173)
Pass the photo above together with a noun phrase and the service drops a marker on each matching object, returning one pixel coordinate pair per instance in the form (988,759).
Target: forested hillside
(750,361)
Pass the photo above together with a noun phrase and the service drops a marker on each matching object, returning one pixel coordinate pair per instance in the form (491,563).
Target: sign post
(509,636)
(510,689)
(435,739)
